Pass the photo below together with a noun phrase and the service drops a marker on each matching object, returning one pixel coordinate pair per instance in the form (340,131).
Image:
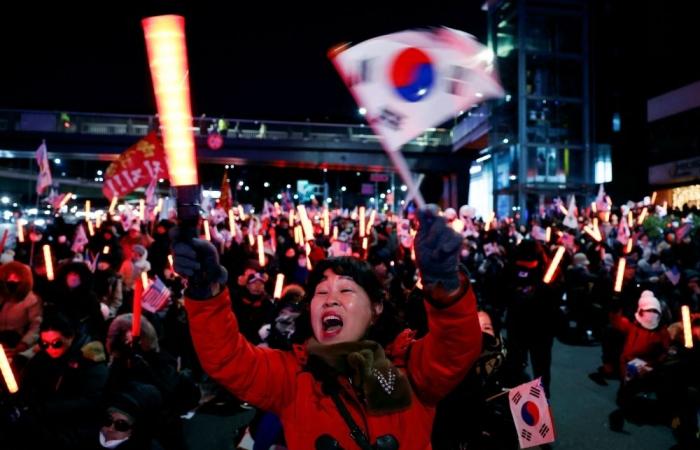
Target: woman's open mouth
(332,324)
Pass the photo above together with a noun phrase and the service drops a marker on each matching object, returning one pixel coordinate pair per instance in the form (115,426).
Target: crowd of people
(86,381)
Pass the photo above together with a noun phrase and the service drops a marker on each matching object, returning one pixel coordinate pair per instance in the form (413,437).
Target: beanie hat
(581,259)
(137,400)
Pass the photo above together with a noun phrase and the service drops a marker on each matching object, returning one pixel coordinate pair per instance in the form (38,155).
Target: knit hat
(580,259)
(137,400)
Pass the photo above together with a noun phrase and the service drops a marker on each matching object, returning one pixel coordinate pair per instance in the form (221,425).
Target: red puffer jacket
(276,381)
(648,345)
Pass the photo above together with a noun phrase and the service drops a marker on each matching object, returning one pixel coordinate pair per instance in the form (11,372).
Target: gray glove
(437,251)
(198,261)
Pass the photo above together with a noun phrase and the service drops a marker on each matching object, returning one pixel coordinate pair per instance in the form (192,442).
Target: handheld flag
(156,297)
(42,159)
(531,414)
(414,80)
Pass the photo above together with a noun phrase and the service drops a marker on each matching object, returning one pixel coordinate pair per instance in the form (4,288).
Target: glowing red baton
(91,229)
(167,58)
(279,283)
(620,274)
(306,223)
(362,221)
(7,372)
(139,288)
(335,232)
(64,201)
(548,234)
(630,219)
(653,197)
(687,330)
(87,209)
(207,233)
(48,262)
(4,240)
(628,248)
(105,250)
(326,222)
(142,210)
(20,230)
(594,208)
(554,264)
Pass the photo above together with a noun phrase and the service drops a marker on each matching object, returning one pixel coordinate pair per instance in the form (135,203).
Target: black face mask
(12,286)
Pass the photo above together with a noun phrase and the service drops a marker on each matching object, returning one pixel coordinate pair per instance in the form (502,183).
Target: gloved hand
(437,251)
(198,261)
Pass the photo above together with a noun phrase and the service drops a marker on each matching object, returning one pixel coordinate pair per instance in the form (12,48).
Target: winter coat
(63,394)
(79,304)
(648,345)
(20,311)
(278,381)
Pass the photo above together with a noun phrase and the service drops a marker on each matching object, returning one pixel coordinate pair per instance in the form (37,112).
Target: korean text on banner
(136,167)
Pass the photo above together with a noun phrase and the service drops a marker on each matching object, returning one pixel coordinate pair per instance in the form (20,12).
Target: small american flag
(156,296)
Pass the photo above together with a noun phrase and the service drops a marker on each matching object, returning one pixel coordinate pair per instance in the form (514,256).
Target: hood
(122,324)
(86,277)
(26,280)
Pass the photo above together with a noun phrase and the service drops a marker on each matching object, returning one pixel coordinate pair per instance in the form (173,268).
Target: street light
(343,189)
(362,111)
(266,184)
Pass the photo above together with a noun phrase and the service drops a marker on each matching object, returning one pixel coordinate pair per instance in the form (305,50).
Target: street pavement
(581,407)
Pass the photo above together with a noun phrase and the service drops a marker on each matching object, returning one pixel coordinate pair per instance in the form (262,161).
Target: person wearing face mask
(127,420)
(342,389)
(20,308)
(646,344)
(61,386)
(75,297)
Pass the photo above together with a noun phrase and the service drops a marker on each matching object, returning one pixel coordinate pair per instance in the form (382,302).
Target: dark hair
(56,321)
(360,271)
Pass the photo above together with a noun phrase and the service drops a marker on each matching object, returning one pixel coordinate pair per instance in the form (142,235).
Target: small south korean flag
(414,80)
(531,414)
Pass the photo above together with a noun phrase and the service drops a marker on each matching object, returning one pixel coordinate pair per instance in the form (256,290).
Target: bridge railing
(139,125)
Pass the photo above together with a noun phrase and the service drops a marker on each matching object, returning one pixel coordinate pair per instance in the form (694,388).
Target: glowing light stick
(7,374)
(326,222)
(653,197)
(620,274)
(370,222)
(279,283)
(630,219)
(4,239)
(362,221)
(98,222)
(113,205)
(91,229)
(628,248)
(594,208)
(554,264)
(291,217)
(142,210)
(563,210)
(261,251)
(642,216)
(105,250)
(167,58)
(687,330)
(64,201)
(139,288)
(241,213)
(335,232)
(207,233)
(548,234)
(306,223)
(20,230)
(364,243)
(87,209)
(48,262)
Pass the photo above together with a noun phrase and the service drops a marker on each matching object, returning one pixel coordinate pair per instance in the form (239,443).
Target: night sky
(265,63)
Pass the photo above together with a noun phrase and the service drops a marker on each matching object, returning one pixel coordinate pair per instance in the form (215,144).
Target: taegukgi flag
(531,414)
(414,80)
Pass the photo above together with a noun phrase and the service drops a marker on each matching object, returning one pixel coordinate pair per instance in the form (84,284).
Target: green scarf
(383,386)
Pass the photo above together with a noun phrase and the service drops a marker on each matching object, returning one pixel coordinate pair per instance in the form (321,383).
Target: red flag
(139,164)
(225,201)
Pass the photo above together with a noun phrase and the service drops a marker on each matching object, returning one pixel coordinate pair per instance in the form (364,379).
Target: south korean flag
(531,414)
(414,80)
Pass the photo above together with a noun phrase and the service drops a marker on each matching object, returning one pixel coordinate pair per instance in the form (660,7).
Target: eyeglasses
(120,425)
(55,344)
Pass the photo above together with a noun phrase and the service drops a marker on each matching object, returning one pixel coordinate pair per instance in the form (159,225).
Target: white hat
(648,302)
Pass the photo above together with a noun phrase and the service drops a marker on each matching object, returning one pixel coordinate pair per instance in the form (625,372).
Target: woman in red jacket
(341,390)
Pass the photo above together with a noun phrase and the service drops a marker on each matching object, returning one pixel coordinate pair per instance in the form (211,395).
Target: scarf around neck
(384,388)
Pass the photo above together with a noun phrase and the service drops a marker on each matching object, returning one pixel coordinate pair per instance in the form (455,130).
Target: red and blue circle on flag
(412,74)
(530,413)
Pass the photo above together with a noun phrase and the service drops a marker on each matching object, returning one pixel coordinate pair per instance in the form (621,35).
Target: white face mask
(649,320)
(110,444)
